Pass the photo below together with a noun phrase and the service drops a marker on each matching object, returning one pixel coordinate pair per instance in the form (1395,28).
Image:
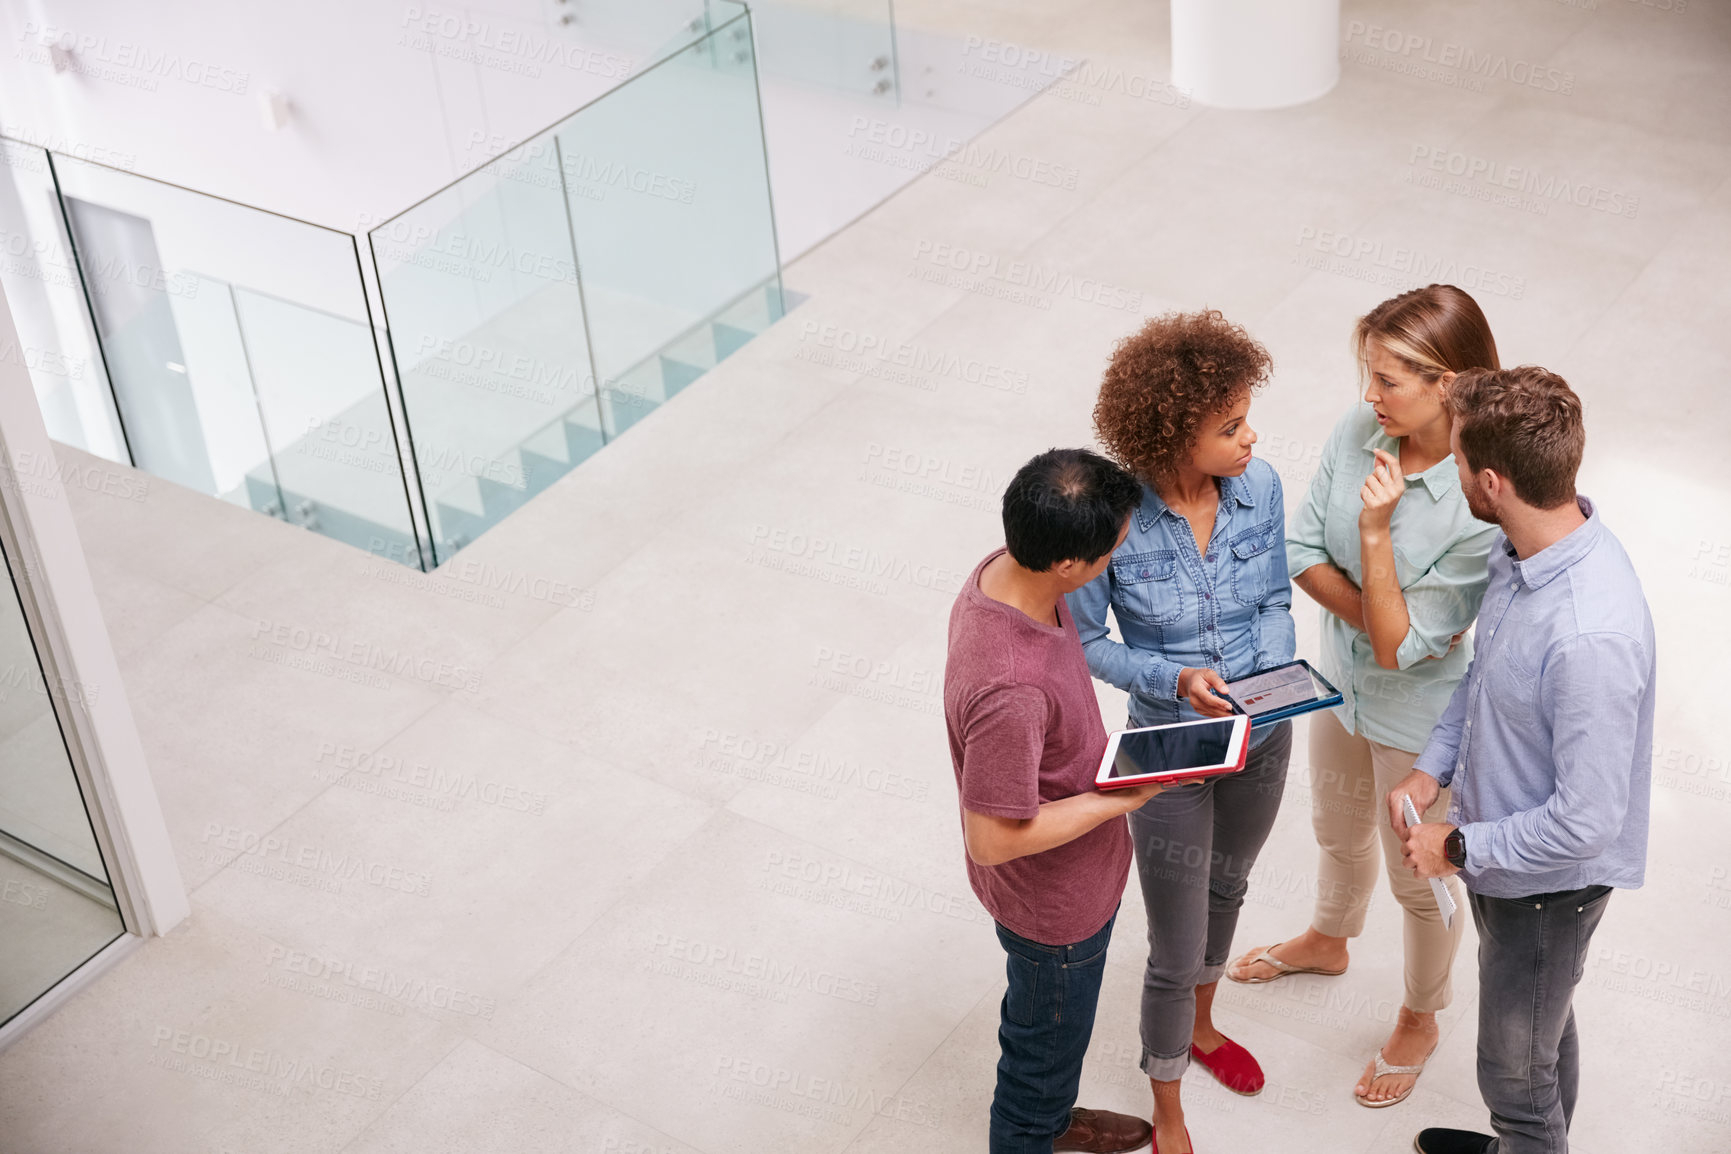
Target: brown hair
(1164,381)
(1433,330)
(1525,424)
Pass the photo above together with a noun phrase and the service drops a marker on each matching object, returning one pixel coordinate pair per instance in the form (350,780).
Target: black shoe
(1439,1141)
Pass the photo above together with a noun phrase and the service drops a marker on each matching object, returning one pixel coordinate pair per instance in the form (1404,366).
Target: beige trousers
(1350,777)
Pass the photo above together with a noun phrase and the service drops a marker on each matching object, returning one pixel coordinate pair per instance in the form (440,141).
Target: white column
(1255,54)
(72,639)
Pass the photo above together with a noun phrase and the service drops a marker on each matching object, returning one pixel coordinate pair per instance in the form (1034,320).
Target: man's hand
(1424,849)
(1422,788)
(1136,796)
(1196,684)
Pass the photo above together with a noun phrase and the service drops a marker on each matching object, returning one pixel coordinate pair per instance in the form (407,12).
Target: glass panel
(241,354)
(54,338)
(325,416)
(845,44)
(669,198)
(633,243)
(56,907)
(480,291)
(645,31)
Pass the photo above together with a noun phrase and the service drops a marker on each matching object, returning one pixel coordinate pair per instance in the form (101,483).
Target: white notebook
(1444,902)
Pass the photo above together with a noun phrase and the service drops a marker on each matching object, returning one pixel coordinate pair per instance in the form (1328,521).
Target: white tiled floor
(676,867)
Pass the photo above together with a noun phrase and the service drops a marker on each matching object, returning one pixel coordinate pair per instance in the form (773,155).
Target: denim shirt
(1548,743)
(1229,610)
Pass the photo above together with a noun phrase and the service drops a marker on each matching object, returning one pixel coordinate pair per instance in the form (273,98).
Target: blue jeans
(1532,952)
(1044,1024)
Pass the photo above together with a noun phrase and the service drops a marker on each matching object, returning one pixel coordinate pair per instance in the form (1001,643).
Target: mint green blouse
(1441,554)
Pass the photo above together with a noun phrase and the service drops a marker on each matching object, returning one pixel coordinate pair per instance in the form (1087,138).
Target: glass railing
(542,304)
(844,44)
(233,354)
(48,306)
(531,311)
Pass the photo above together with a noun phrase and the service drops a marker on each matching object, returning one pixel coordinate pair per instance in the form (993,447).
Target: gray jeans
(1194,848)
(1532,952)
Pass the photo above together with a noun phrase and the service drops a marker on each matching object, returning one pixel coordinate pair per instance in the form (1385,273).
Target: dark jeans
(1195,845)
(1044,1024)
(1532,952)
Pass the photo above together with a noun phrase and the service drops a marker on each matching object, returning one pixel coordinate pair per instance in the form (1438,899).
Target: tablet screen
(1170,748)
(1276,689)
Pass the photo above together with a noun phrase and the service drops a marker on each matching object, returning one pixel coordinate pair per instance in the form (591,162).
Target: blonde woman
(1385,543)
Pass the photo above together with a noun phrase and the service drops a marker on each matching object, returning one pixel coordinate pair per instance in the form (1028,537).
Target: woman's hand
(1381,493)
(1196,684)
(1454,643)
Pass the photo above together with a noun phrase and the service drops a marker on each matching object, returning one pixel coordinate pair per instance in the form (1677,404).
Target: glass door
(57,909)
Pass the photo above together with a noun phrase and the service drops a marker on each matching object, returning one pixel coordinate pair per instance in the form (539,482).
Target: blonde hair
(1434,330)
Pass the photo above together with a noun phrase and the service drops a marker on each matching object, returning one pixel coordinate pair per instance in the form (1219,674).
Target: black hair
(1066,505)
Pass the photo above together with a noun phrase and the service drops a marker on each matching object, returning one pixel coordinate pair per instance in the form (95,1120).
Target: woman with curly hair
(1200,592)
(1385,543)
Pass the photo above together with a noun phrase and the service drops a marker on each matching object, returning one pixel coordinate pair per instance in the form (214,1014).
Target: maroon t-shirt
(1025,728)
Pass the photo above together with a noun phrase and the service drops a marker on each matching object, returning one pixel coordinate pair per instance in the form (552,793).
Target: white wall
(390,99)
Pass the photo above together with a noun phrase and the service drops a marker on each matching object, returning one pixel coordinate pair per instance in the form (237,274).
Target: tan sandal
(1281,969)
(1383,1069)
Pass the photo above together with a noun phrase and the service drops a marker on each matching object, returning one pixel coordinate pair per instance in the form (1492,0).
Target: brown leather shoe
(1103,1132)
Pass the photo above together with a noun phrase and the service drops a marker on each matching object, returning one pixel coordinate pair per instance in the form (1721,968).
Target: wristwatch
(1455,849)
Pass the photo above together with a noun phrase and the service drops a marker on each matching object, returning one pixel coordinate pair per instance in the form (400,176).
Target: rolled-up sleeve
(1591,688)
(1445,600)
(1137,672)
(1306,544)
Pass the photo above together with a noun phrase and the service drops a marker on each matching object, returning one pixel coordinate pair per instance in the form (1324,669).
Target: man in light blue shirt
(1547,747)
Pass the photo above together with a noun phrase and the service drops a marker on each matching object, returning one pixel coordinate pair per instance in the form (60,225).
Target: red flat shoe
(1232,1066)
(1154,1142)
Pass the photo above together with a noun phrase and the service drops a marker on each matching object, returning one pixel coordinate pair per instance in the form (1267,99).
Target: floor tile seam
(1054,221)
(313,797)
(587,1095)
(990,991)
(387,1107)
(1702,207)
(593,1094)
(927,175)
(143,645)
(632,890)
(533,619)
(896,875)
(604,758)
(1254,1013)
(628,890)
(1592,328)
(667,527)
(1373,206)
(842,391)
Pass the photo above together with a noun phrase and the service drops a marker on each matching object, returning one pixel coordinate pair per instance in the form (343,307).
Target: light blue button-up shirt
(1548,743)
(1228,609)
(1440,552)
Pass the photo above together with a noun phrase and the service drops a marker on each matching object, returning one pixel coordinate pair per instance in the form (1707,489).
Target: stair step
(729,339)
(676,375)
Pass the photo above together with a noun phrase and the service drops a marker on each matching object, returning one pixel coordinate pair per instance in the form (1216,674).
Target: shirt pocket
(1253,561)
(1513,688)
(1147,587)
(1412,562)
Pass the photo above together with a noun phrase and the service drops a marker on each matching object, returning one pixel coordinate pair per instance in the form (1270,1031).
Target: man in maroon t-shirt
(1048,853)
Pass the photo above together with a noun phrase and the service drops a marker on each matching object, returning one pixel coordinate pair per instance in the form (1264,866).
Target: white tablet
(1182,751)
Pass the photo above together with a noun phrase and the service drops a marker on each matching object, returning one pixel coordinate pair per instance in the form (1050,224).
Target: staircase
(469,507)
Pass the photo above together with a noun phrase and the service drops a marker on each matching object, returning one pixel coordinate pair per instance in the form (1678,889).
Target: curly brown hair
(1165,380)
